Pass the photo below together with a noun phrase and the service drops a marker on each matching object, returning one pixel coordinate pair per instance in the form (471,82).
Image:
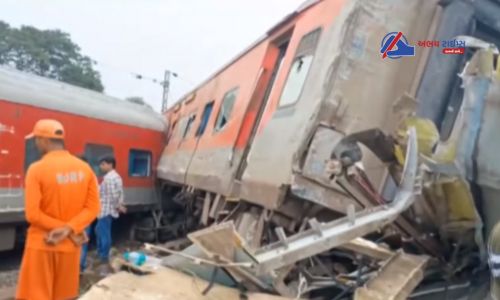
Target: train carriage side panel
(214,164)
(174,160)
(84,136)
(213,160)
(347,49)
(270,158)
(25,98)
(212,124)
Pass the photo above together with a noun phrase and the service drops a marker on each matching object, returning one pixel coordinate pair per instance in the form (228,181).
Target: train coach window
(204,118)
(181,127)
(94,152)
(300,68)
(189,124)
(171,131)
(225,109)
(31,153)
(139,164)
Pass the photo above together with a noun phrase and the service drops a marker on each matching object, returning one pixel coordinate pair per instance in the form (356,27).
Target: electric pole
(166,89)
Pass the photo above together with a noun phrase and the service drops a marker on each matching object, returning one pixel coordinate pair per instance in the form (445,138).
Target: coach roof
(304,6)
(29,89)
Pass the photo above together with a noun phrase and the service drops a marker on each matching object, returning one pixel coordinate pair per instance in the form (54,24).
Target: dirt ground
(7,293)
(9,265)
(94,273)
(11,260)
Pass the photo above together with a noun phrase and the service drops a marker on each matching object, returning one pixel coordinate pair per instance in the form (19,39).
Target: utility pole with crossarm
(166,89)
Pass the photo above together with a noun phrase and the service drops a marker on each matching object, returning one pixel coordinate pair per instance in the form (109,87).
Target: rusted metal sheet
(395,280)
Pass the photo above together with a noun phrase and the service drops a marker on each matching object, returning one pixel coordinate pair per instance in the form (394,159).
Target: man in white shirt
(111,194)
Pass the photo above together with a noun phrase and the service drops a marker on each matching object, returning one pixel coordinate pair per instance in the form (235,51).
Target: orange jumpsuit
(60,190)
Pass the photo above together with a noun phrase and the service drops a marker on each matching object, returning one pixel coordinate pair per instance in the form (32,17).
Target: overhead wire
(142,76)
(189,85)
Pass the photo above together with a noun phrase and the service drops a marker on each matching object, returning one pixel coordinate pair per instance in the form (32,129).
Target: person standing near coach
(61,200)
(88,231)
(112,204)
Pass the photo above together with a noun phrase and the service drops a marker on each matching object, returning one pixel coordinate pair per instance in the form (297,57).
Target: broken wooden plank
(216,206)
(206,209)
(368,248)
(396,279)
(279,282)
(220,240)
(250,226)
(196,260)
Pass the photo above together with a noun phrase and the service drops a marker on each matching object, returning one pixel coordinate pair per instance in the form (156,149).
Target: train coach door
(259,102)
(11,182)
(11,185)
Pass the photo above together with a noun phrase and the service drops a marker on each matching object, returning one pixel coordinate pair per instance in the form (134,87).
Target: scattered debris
(395,280)
(165,284)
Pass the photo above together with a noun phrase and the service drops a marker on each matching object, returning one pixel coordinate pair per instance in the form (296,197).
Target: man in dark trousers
(111,194)
(88,230)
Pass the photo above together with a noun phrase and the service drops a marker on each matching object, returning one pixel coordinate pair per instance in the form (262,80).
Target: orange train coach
(133,133)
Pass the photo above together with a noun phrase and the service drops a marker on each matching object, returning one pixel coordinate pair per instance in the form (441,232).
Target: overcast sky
(191,37)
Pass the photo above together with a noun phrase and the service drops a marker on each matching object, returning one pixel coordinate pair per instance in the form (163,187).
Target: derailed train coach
(252,130)
(309,123)
(96,125)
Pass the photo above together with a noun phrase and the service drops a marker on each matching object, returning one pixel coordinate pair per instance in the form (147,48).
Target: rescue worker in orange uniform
(61,200)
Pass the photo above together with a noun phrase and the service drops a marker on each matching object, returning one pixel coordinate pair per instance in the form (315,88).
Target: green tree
(48,53)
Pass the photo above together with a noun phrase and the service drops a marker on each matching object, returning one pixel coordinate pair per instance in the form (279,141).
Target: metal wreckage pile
(429,233)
